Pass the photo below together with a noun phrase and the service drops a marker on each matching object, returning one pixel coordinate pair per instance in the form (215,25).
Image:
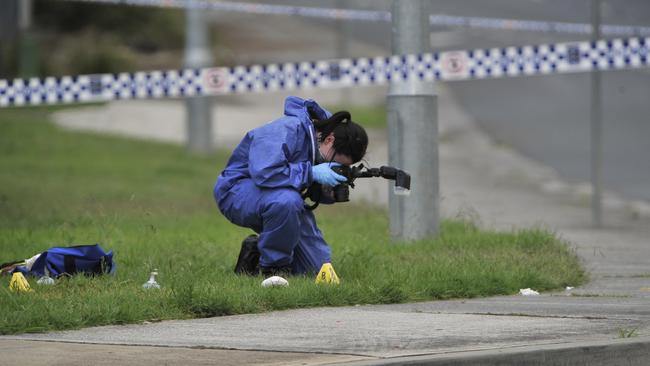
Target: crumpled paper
(275,281)
(528,292)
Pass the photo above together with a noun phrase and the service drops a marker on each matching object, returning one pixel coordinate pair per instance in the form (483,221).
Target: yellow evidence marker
(19,283)
(327,274)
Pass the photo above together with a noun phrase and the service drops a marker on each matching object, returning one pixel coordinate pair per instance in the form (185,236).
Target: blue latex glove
(323,174)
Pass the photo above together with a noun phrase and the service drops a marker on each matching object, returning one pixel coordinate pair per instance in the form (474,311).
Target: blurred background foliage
(68,38)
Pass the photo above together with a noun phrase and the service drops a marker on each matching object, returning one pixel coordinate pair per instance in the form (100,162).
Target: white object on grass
(569,288)
(152,281)
(275,281)
(45,280)
(528,292)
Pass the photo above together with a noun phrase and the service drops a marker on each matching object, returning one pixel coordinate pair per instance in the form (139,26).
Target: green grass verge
(367,116)
(151,203)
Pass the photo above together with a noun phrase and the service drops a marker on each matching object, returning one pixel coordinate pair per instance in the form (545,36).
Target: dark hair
(350,138)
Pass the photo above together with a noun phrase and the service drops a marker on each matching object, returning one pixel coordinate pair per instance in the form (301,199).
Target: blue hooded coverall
(261,186)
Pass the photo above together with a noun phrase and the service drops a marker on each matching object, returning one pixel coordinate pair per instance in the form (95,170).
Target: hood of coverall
(302,108)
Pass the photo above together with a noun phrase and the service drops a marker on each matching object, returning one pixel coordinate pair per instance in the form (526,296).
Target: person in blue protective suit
(261,185)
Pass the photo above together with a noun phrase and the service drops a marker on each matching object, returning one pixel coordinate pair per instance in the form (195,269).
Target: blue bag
(86,259)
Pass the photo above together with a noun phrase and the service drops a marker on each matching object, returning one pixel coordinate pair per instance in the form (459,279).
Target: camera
(341,193)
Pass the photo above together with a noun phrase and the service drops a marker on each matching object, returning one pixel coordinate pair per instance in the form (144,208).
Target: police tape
(617,54)
(375,16)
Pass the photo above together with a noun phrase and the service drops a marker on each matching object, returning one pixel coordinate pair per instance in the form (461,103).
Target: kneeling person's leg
(312,250)
(281,211)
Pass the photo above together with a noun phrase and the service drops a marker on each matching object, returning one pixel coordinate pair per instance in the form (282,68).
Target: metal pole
(596,126)
(342,35)
(28,63)
(413,130)
(24,14)
(199,108)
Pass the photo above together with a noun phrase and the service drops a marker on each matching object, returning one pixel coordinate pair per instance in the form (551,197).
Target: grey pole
(413,130)
(28,63)
(596,126)
(342,36)
(199,108)
(24,14)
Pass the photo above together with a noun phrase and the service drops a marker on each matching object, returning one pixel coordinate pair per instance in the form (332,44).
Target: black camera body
(341,192)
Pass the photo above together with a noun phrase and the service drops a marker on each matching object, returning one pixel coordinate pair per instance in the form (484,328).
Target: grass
(627,332)
(367,116)
(151,203)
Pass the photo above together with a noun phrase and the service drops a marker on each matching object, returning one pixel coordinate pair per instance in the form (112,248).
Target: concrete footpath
(606,322)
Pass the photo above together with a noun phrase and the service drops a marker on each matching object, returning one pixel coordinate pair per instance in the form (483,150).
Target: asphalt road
(544,117)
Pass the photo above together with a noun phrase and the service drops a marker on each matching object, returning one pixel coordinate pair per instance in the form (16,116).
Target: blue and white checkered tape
(100,87)
(616,54)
